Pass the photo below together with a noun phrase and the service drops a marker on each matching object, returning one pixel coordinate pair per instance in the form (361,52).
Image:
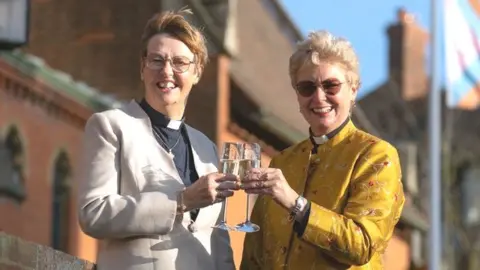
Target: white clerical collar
(174,124)
(320,139)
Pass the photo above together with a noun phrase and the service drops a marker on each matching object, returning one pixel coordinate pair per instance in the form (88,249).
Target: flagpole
(434,128)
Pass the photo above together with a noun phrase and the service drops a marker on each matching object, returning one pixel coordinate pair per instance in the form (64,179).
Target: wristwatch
(181,207)
(300,204)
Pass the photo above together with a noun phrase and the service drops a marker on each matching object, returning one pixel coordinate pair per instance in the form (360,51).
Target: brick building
(402,118)
(249,43)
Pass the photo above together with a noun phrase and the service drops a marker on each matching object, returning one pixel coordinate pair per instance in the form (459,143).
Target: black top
(174,139)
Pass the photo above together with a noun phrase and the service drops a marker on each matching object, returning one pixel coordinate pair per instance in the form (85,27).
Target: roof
(215,15)
(393,118)
(278,112)
(282,12)
(61,82)
(397,119)
(266,39)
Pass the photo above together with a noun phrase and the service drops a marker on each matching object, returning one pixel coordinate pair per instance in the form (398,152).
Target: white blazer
(127,198)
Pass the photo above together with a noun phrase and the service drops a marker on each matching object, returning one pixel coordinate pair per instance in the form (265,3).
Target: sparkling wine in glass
(250,159)
(229,164)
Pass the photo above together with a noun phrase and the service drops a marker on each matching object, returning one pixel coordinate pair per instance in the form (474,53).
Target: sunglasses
(331,87)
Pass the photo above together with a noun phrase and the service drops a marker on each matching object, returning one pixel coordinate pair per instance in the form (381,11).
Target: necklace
(164,142)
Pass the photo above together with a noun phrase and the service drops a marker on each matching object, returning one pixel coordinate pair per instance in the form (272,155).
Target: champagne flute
(249,160)
(229,164)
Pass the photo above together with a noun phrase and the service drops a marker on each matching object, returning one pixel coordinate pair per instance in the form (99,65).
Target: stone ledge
(18,254)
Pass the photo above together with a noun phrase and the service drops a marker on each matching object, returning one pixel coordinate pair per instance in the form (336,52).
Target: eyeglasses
(331,87)
(179,64)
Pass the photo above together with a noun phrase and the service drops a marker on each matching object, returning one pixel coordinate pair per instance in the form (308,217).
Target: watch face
(301,202)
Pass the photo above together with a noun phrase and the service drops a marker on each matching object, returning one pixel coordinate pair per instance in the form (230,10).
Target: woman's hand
(270,181)
(210,189)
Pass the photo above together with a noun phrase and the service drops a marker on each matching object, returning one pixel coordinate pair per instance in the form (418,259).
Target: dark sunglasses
(330,87)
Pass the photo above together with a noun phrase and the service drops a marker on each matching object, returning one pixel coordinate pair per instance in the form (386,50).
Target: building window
(12,159)
(61,202)
(470,188)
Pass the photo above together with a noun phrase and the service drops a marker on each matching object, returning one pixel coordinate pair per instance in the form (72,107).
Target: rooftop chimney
(407,46)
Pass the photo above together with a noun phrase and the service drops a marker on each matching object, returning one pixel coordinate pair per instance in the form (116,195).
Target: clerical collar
(318,140)
(159,119)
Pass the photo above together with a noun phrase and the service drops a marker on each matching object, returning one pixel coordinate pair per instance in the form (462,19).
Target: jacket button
(283,250)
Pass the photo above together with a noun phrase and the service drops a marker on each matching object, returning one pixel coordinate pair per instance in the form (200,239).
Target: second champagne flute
(250,159)
(229,164)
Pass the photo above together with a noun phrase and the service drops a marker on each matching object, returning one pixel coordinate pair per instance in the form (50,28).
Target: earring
(353,105)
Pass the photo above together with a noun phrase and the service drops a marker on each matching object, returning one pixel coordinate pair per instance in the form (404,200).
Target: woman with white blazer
(150,190)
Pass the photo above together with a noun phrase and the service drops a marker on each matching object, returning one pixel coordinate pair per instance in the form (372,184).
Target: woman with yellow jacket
(333,200)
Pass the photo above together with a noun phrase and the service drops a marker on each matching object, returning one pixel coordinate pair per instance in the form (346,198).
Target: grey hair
(323,46)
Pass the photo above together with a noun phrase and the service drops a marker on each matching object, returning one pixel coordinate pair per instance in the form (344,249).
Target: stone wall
(17,254)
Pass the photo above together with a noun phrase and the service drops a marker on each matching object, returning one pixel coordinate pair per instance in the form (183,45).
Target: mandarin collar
(319,140)
(158,118)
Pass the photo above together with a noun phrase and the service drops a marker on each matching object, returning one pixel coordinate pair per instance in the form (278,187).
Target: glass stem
(225,211)
(248,208)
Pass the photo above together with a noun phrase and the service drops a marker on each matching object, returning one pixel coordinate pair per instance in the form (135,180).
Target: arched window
(12,162)
(61,202)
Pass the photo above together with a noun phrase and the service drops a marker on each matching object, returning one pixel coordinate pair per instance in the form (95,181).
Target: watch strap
(181,207)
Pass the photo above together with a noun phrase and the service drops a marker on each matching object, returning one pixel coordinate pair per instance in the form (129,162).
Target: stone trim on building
(16,253)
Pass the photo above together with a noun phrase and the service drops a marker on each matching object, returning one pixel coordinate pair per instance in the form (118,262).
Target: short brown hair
(174,24)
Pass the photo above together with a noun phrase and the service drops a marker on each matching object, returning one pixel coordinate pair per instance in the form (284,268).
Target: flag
(462,53)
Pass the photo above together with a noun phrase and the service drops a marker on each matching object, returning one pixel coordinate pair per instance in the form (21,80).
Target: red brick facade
(48,122)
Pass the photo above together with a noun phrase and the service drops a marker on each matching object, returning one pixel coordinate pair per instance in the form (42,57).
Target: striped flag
(462,52)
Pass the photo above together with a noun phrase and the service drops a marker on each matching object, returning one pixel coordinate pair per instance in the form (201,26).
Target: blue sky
(364,23)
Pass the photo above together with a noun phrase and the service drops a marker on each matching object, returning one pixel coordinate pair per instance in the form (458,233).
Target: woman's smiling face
(168,71)
(324,95)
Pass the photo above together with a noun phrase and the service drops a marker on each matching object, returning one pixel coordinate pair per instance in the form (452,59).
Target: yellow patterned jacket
(354,186)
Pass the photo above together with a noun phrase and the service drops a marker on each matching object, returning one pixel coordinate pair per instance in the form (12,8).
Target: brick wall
(103,50)
(18,254)
(208,104)
(397,255)
(407,53)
